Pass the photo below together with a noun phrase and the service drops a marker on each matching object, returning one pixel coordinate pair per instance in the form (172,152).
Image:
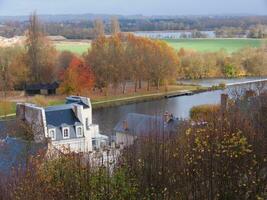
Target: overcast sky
(130,7)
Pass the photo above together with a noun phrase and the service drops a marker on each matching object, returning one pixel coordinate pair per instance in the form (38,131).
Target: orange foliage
(78,78)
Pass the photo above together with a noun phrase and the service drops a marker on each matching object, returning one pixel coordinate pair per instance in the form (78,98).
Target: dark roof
(60,115)
(7,127)
(140,124)
(41,86)
(14,152)
(77,100)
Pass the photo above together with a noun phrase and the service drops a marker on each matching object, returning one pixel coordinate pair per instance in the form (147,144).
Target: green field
(74,47)
(230,45)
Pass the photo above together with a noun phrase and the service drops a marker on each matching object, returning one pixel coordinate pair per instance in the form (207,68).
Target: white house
(68,126)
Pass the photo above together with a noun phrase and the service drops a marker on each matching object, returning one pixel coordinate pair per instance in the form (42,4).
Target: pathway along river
(180,106)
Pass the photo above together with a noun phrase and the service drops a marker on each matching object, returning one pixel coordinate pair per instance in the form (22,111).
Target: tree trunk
(166,86)
(124,87)
(135,86)
(140,83)
(148,85)
(158,84)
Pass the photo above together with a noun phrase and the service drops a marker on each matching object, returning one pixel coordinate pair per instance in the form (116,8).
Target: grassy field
(230,45)
(75,47)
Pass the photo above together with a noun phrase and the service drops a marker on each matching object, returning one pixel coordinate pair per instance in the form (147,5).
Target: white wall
(124,139)
(74,145)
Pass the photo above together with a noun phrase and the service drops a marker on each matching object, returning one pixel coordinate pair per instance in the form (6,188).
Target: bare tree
(99,28)
(33,44)
(115,26)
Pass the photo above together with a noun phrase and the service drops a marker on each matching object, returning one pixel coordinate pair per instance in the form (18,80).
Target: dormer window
(66,133)
(79,131)
(52,134)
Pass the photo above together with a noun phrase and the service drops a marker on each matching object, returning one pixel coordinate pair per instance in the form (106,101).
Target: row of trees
(119,59)
(82,26)
(247,61)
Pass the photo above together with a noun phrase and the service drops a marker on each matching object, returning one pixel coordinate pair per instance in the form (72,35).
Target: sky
(134,7)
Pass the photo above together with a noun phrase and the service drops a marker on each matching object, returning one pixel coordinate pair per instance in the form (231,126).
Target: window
(79,131)
(52,134)
(66,133)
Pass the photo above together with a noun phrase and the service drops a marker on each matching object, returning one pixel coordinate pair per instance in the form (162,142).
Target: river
(180,106)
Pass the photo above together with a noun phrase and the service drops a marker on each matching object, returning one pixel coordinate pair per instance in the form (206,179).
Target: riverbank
(146,97)
(100,102)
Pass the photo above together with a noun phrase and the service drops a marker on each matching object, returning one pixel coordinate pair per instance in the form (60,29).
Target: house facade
(69,126)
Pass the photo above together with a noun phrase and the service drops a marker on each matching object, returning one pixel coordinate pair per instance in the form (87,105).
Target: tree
(11,68)
(115,26)
(229,71)
(64,59)
(97,58)
(40,55)
(99,28)
(78,78)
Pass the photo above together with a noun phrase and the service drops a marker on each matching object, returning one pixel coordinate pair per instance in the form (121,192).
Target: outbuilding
(42,89)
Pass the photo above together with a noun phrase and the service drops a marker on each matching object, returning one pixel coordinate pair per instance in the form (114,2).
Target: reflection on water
(180,106)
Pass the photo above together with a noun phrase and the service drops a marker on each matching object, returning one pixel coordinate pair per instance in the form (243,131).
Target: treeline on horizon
(113,61)
(81,27)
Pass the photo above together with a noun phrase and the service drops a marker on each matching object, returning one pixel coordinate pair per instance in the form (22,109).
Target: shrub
(40,100)
(202,111)
(6,107)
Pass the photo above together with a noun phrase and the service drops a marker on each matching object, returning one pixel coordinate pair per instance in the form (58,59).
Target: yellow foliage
(40,100)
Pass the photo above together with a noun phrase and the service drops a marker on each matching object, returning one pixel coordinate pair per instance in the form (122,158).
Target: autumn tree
(5,75)
(121,58)
(77,79)
(166,64)
(13,72)
(97,58)
(63,62)
(99,28)
(135,59)
(40,55)
(115,26)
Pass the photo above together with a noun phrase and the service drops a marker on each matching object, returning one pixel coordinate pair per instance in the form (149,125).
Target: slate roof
(77,100)
(58,117)
(140,124)
(7,127)
(41,86)
(14,152)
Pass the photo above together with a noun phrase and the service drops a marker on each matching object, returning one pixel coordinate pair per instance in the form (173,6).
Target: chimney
(125,125)
(20,111)
(224,101)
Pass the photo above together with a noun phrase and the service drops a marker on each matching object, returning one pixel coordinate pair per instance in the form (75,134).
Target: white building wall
(73,145)
(124,139)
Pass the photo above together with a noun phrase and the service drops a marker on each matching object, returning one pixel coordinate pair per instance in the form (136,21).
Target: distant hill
(69,17)
(77,17)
